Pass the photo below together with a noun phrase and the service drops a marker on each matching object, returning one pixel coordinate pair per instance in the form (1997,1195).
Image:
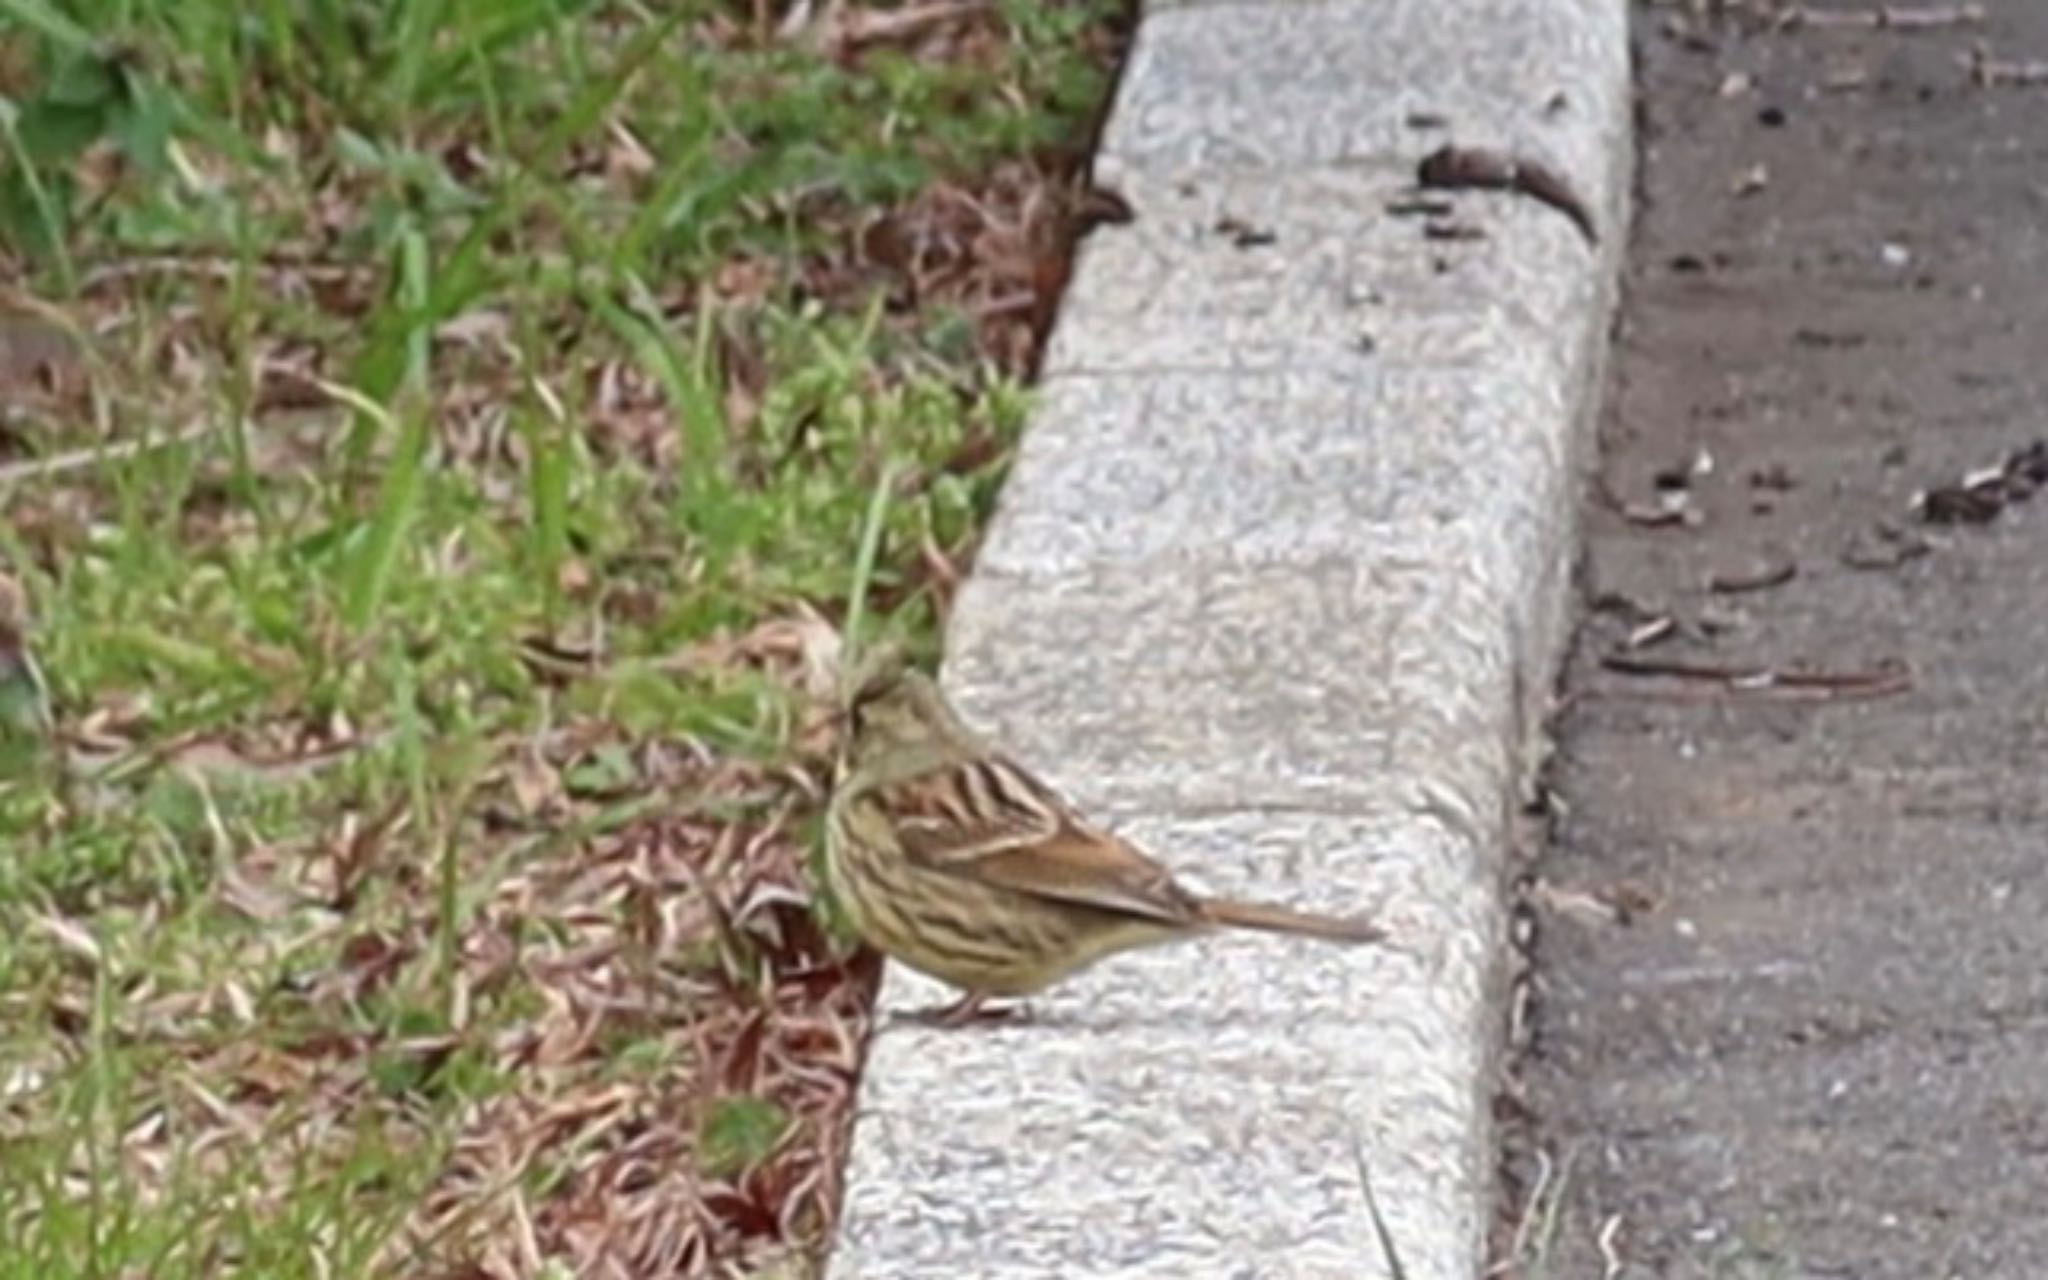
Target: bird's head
(895,710)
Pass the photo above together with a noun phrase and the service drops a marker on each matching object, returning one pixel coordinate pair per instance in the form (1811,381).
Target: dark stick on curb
(1379,1224)
(1451,168)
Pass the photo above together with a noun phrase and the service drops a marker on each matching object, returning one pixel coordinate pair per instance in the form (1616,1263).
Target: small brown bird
(959,863)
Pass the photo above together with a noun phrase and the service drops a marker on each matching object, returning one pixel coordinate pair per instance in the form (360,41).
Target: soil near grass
(1790,1006)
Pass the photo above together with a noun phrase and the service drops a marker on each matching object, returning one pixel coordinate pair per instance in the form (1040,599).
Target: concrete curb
(1277,589)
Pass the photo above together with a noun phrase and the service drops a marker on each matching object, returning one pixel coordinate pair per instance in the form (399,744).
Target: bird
(951,858)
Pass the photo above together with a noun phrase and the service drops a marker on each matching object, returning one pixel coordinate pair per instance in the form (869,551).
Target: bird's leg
(962,1011)
(972,1007)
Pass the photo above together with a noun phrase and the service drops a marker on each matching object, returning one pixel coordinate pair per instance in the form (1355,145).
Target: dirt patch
(1789,1002)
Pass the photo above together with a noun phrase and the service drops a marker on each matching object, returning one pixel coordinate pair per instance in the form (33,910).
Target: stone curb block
(1277,588)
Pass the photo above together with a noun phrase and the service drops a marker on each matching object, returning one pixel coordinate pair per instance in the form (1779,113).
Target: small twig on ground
(1536,1227)
(93,455)
(1989,72)
(269,267)
(1660,515)
(1379,1223)
(1532,1205)
(1610,1252)
(1888,677)
(1648,633)
(1890,17)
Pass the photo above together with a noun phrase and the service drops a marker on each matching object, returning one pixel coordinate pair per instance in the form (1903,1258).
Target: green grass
(467,403)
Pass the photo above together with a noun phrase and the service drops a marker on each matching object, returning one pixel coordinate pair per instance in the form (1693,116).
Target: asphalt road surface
(1790,1012)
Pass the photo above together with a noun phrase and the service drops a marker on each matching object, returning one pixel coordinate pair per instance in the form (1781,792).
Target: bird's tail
(1254,915)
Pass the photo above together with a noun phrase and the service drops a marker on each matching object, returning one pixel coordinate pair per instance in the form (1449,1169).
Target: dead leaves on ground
(624,994)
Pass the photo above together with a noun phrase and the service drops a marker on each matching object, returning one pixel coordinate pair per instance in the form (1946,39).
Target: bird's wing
(1090,868)
(988,819)
(952,815)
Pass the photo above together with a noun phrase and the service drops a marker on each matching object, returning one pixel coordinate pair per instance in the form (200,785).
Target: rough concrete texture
(1276,589)
(1815,1047)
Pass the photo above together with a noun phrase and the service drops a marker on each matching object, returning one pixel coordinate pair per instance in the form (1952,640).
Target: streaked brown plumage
(959,863)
